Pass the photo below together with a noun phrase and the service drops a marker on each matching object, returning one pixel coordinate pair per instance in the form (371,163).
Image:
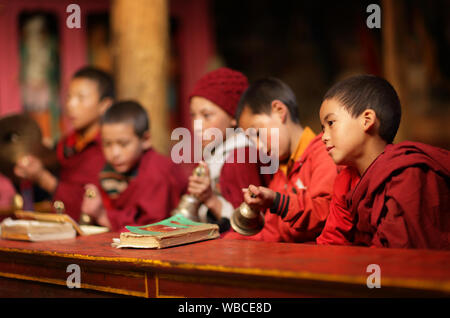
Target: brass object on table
(189,204)
(20,135)
(246,221)
(17,202)
(84,218)
(59,207)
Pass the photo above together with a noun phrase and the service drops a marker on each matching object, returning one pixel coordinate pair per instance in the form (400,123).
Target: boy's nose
(71,103)
(325,137)
(116,151)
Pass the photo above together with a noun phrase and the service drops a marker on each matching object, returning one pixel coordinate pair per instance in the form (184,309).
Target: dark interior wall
(312,44)
(307,44)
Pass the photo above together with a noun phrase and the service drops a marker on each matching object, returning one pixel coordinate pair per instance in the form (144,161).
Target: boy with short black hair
(298,197)
(90,93)
(137,186)
(388,195)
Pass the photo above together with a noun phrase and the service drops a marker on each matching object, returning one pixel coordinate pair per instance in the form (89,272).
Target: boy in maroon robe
(91,92)
(388,195)
(137,186)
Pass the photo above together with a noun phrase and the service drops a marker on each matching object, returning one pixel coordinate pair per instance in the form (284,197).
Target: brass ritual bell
(86,219)
(59,207)
(246,221)
(189,204)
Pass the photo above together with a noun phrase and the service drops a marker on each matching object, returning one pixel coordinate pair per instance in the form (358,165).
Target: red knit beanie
(223,87)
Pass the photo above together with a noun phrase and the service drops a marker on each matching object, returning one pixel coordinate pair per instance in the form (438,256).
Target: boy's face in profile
(83,103)
(211,116)
(121,146)
(343,134)
(264,125)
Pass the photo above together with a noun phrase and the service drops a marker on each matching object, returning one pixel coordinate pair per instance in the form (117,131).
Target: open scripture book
(172,231)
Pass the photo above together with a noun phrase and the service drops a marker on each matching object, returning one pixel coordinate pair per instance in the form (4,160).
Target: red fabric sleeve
(340,223)
(74,174)
(304,213)
(416,211)
(236,176)
(71,194)
(149,204)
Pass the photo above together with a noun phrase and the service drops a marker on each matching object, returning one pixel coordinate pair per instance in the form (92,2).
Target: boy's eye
(330,122)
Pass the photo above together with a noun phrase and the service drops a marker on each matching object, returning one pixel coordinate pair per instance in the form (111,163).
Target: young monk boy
(137,186)
(389,195)
(91,92)
(213,103)
(298,197)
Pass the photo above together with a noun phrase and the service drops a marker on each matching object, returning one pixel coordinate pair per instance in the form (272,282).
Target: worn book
(35,231)
(38,226)
(175,230)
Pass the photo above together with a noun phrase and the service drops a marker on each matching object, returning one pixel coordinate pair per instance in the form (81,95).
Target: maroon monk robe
(339,227)
(150,196)
(77,168)
(402,200)
(236,176)
(232,177)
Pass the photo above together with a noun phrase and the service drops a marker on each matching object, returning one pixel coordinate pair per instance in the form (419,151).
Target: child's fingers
(249,199)
(90,186)
(18,171)
(198,182)
(195,189)
(253,191)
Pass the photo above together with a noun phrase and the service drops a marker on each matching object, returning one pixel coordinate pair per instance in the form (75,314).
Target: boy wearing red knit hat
(213,103)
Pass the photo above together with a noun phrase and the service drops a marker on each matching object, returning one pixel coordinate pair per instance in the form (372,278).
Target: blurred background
(157,49)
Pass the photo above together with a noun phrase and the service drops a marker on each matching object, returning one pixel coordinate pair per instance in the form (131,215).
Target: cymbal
(20,135)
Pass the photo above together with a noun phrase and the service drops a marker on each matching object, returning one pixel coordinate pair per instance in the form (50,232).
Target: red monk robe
(236,176)
(231,169)
(339,226)
(150,195)
(80,163)
(401,201)
(299,213)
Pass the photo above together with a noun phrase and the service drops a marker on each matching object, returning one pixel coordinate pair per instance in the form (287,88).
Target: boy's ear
(279,109)
(104,104)
(369,119)
(146,140)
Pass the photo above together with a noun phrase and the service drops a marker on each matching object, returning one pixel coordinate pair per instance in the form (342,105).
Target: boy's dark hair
(128,112)
(362,92)
(104,80)
(261,93)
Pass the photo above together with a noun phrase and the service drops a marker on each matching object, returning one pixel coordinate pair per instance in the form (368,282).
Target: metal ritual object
(59,207)
(189,204)
(246,221)
(84,218)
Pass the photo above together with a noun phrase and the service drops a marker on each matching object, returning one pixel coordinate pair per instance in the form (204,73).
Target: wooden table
(217,268)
